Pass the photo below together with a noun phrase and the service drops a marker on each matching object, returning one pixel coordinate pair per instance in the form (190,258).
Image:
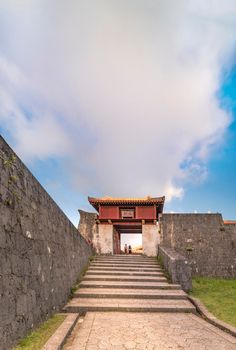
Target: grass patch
(76,286)
(37,339)
(164,271)
(218,295)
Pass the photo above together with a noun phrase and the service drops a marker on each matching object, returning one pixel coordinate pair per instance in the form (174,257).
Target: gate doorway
(118,216)
(131,239)
(131,236)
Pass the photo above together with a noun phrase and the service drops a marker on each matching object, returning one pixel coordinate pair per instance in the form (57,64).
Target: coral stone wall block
(204,239)
(150,239)
(106,238)
(177,266)
(41,253)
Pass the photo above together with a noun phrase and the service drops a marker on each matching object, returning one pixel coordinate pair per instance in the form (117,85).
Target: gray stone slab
(125,273)
(136,285)
(125,268)
(124,278)
(162,331)
(153,260)
(130,293)
(124,263)
(138,305)
(124,256)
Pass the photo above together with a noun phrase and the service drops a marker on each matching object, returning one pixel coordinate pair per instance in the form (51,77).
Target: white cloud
(125,89)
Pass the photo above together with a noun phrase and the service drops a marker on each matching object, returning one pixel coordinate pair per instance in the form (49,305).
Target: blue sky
(123,98)
(217,192)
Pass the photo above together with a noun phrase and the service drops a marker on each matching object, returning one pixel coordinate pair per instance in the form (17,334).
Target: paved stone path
(150,331)
(159,315)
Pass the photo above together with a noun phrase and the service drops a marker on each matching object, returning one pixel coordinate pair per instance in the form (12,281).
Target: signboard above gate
(127,214)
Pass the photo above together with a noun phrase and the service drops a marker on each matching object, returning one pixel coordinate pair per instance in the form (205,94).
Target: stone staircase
(128,283)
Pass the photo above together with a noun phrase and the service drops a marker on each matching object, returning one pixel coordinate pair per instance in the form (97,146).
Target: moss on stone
(39,337)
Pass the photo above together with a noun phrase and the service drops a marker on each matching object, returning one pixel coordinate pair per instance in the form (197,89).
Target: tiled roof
(129,201)
(228,222)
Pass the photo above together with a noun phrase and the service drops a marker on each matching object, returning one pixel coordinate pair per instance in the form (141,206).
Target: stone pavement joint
(148,331)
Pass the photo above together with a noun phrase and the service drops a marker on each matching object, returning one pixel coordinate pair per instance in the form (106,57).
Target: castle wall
(106,238)
(88,228)
(150,239)
(41,252)
(204,239)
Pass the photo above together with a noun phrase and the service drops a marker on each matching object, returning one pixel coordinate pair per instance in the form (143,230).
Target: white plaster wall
(105,238)
(151,239)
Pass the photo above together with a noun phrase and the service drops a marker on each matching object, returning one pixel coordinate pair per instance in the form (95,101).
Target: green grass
(37,339)
(218,295)
(76,286)
(164,271)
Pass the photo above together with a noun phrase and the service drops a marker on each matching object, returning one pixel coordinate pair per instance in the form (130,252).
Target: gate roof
(95,202)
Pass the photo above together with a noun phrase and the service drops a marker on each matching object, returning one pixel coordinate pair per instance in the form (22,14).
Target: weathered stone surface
(177,267)
(150,239)
(150,331)
(41,252)
(102,236)
(129,293)
(208,244)
(106,238)
(89,228)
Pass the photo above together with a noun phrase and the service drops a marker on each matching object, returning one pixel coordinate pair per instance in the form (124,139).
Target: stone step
(82,305)
(123,259)
(123,265)
(124,278)
(140,263)
(128,284)
(123,273)
(127,260)
(129,293)
(124,262)
(115,268)
(117,256)
(120,255)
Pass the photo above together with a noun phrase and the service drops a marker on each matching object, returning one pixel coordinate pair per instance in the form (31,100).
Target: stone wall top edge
(86,212)
(174,255)
(190,214)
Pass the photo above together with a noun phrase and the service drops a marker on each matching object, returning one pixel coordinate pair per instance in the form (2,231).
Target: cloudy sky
(123,98)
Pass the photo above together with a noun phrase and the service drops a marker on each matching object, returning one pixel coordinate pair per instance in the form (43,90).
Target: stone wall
(41,252)
(177,266)
(207,243)
(106,238)
(150,239)
(89,228)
